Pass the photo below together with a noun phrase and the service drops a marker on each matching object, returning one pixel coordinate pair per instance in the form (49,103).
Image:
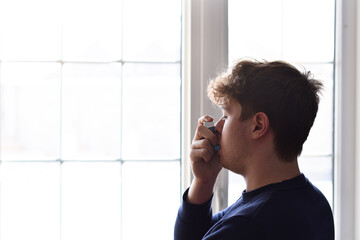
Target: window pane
(255,31)
(320,140)
(152,30)
(236,187)
(151,111)
(30,201)
(30,111)
(90,201)
(319,171)
(309,30)
(152,188)
(279,30)
(92,30)
(75,108)
(91,111)
(30,30)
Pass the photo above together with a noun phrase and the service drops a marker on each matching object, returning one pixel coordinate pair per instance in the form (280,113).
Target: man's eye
(224,117)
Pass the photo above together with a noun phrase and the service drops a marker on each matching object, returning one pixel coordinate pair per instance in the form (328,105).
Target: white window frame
(347,131)
(205,54)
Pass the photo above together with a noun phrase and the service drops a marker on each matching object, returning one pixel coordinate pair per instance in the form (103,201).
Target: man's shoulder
(303,212)
(304,199)
(300,212)
(300,200)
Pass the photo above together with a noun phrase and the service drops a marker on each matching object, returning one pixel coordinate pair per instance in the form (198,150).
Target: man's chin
(223,162)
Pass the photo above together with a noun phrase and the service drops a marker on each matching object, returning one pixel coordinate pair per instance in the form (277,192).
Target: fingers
(203,132)
(205,118)
(205,161)
(203,142)
(202,149)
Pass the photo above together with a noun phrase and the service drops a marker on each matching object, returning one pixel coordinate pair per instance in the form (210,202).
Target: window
(294,32)
(90,118)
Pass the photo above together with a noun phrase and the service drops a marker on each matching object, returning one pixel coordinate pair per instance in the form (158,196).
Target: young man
(268,110)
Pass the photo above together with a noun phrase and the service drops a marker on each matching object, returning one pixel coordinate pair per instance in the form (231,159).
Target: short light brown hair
(288,97)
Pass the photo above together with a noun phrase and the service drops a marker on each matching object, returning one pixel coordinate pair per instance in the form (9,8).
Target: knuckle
(206,153)
(192,154)
(203,154)
(207,144)
(200,120)
(196,143)
(204,144)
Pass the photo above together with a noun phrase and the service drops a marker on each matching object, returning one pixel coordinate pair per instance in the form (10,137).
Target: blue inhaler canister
(210,125)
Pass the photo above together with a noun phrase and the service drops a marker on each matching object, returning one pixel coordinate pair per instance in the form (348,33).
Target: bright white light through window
(302,33)
(90,119)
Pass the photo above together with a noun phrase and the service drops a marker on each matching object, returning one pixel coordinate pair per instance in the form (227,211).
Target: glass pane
(92,30)
(320,138)
(90,201)
(319,171)
(154,189)
(236,187)
(91,111)
(309,30)
(255,31)
(279,30)
(151,111)
(30,30)
(30,107)
(30,201)
(152,32)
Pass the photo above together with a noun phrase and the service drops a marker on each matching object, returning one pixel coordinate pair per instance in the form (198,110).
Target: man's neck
(271,171)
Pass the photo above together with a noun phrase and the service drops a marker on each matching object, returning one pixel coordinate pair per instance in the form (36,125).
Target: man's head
(288,97)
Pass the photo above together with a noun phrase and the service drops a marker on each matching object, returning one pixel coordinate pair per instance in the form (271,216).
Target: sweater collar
(292,183)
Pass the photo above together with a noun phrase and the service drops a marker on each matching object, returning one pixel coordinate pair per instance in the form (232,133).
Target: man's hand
(205,163)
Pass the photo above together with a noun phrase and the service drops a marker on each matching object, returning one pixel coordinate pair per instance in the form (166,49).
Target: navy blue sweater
(293,209)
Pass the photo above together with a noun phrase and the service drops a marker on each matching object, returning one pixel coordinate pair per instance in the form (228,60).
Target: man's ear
(260,125)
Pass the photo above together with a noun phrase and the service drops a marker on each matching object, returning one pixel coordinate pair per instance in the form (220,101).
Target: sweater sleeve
(193,220)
